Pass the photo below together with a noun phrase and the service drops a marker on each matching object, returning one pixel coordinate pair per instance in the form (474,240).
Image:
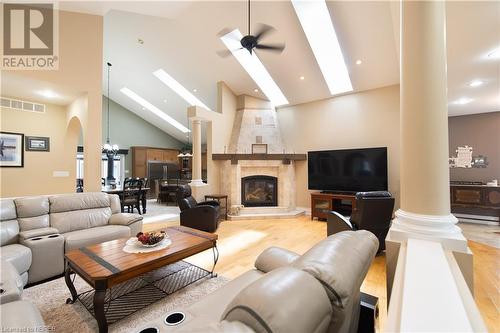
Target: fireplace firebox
(258,191)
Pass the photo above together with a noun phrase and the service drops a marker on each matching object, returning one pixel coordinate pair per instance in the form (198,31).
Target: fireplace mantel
(234,158)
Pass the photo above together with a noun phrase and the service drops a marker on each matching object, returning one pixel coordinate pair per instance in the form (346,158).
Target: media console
(322,203)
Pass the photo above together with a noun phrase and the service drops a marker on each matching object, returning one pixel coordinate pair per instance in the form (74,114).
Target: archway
(76,163)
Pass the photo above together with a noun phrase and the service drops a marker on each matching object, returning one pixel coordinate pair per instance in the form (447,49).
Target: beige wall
(366,119)
(80,70)
(36,177)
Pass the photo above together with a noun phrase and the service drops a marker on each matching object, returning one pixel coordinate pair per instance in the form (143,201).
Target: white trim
(307,210)
(197,183)
(440,228)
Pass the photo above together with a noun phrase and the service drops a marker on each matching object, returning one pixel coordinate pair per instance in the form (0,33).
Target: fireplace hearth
(259,191)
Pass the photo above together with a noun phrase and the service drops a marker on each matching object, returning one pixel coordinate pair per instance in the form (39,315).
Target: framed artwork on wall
(259,148)
(11,150)
(37,143)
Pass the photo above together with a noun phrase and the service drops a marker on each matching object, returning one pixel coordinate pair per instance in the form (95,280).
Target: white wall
(366,119)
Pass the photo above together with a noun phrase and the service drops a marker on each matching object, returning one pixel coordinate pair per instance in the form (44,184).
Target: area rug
(60,317)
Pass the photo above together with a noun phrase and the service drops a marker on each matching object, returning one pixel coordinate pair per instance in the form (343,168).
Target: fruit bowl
(151,239)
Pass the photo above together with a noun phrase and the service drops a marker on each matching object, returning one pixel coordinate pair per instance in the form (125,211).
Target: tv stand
(322,203)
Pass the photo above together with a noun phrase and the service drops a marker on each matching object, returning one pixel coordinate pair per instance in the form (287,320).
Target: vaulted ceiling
(181,38)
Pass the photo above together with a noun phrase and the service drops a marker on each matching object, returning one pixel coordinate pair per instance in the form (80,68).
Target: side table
(218,198)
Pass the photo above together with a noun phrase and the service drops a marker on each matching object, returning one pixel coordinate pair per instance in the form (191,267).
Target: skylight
(178,88)
(148,106)
(254,67)
(318,28)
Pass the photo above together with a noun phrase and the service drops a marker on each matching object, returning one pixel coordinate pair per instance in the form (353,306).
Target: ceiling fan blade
(226,53)
(224,32)
(263,29)
(271,47)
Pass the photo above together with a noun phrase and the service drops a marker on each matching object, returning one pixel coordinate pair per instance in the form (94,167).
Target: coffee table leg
(70,285)
(99,297)
(216,258)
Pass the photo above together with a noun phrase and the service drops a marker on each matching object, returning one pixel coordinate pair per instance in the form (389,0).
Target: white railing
(429,293)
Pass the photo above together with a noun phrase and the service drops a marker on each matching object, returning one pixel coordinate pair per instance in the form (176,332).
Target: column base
(197,183)
(438,228)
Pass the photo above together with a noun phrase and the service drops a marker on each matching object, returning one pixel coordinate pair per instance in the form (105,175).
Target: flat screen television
(348,170)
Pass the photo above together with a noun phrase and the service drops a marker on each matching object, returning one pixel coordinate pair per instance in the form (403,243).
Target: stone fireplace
(259,191)
(258,185)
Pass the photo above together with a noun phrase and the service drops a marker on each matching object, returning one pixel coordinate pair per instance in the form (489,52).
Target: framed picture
(11,150)
(259,148)
(37,143)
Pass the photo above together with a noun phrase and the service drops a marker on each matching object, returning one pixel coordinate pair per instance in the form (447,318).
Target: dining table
(119,190)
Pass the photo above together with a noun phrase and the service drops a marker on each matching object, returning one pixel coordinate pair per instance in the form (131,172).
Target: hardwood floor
(240,242)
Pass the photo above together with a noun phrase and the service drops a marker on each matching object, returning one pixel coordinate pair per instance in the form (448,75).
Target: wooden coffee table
(124,283)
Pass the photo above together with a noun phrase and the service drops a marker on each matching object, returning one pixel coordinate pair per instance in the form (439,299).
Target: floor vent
(21,105)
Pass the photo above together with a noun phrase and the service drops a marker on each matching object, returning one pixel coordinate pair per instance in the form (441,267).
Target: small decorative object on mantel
(259,148)
(11,149)
(37,143)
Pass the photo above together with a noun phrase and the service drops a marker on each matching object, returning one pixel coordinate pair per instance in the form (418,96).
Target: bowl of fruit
(151,239)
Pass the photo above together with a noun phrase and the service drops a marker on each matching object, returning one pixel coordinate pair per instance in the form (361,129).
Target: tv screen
(348,170)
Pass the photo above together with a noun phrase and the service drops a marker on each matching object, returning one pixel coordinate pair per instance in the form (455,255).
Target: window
(118,167)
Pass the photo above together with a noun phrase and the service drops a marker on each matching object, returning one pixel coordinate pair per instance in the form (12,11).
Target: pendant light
(109,149)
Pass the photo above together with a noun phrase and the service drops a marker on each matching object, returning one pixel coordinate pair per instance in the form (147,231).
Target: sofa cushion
(327,262)
(18,255)
(284,300)
(82,238)
(80,219)
(11,283)
(7,210)
(31,206)
(114,203)
(21,316)
(35,222)
(9,231)
(78,201)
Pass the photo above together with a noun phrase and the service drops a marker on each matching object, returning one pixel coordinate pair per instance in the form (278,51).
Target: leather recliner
(373,213)
(317,292)
(197,215)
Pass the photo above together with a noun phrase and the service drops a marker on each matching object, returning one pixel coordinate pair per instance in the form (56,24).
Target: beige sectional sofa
(316,292)
(35,232)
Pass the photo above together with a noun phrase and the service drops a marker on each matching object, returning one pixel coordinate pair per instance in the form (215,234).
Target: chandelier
(109,149)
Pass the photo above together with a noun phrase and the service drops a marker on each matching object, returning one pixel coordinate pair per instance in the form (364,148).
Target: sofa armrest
(23,235)
(274,257)
(124,218)
(11,284)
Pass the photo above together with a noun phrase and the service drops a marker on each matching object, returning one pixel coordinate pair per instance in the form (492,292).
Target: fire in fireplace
(257,191)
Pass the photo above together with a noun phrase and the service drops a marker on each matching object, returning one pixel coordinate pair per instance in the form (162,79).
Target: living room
(159,170)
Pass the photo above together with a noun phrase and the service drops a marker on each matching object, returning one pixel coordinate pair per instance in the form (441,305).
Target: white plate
(134,241)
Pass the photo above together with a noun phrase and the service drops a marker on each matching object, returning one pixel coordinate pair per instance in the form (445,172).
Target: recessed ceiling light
(254,67)
(317,24)
(256,90)
(462,101)
(144,108)
(195,90)
(164,101)
(145,104)
(178,88)
(302,78)
(48,93)
(475,83)
(358,62)
(494,54)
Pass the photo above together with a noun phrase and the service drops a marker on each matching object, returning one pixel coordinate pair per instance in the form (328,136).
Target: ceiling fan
(251,42)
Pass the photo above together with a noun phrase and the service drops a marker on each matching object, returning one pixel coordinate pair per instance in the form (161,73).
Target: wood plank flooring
(240,242)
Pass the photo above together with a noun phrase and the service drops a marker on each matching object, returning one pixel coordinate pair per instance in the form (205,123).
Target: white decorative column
(196,166)
(425,190)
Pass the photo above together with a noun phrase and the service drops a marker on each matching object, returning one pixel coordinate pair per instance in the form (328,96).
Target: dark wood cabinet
(476,202)
(141,156)
(322,203)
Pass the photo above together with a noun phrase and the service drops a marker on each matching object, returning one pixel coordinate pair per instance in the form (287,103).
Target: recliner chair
(373,213)
(198,215)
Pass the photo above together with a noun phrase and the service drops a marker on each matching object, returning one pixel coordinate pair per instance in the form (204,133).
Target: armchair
(198,215)
(373,213)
